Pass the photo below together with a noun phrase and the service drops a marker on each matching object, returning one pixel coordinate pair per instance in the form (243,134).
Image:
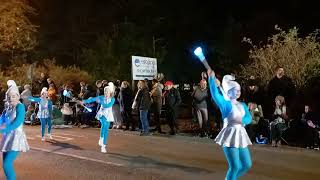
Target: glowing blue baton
(88,109)
(198,52)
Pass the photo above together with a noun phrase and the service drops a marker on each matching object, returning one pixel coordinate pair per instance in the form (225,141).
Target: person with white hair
(25,94)
(233,136)
(14,138)
(104,115)
(44,112)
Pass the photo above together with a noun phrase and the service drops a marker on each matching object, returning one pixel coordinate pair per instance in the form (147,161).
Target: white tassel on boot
(103,149)
(100,142)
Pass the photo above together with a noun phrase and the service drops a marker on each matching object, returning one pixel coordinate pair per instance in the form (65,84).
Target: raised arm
(91,100)
(34,99)
(224,105)
(20,110)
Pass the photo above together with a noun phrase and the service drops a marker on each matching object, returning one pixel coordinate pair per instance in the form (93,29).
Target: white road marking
(67,134)
(60,138)
(77,156)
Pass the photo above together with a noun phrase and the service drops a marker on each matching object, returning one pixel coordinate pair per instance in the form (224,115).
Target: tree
(110,58)
(300,57)
(17,33)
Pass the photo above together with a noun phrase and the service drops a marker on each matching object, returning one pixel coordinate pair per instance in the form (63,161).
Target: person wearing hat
(44,112)
(233,136)
(172,99)
(14,138)
(104,115)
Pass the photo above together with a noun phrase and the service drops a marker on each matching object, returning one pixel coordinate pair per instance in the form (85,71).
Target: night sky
(68,26)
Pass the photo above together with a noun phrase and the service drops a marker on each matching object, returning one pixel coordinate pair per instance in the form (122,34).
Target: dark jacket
(99,91)
(172,98)
(283,86)
(200,97)
(253,95)
(44,83)
(117,95)
(143,99)
(125,99)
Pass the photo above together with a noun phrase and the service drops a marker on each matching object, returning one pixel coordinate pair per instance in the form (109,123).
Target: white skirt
(234,135)
(15,140)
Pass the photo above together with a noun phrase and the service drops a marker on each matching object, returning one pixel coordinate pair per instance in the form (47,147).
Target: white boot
(103,149)
(100,142)
(50,137)
(43,138)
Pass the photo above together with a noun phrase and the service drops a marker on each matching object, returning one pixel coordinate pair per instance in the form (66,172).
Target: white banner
(143,67)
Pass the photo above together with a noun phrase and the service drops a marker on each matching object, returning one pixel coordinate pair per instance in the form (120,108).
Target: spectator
(104,83)
(43,80)
(51,82)
(312,128)
(116,107)
(200,96)
(67,94)
(99,90)
(125,101)
(83,89)
(172,100)
(52,93)
(156,96)
(87,118)
(142,103)
(67,113)
(25,94)
(278,124)
(253,93)
(257,115)
(281,85)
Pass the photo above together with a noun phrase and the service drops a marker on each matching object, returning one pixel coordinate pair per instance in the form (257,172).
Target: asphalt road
(75,154)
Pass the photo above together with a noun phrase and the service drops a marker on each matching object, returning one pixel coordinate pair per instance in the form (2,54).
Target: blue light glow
(198,52)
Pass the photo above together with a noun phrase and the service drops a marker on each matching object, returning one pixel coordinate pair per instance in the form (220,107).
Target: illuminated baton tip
(198,52)
(88,109)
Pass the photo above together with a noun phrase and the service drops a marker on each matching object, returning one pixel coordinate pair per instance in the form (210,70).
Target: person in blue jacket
(104,115)
(233,136)
(14,139)
(44,112)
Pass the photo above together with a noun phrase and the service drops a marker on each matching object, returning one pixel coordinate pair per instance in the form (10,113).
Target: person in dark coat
(126,100)
(281,85)
(172,100)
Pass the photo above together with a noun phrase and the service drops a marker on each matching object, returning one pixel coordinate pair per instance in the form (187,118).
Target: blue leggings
(44,122)
(8,158)
(104,130)
(239,161)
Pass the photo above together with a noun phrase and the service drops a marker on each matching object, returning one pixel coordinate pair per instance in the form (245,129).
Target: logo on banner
(137,62)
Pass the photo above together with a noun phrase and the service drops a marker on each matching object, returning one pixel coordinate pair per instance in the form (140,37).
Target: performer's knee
(234,167)
(246,165)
